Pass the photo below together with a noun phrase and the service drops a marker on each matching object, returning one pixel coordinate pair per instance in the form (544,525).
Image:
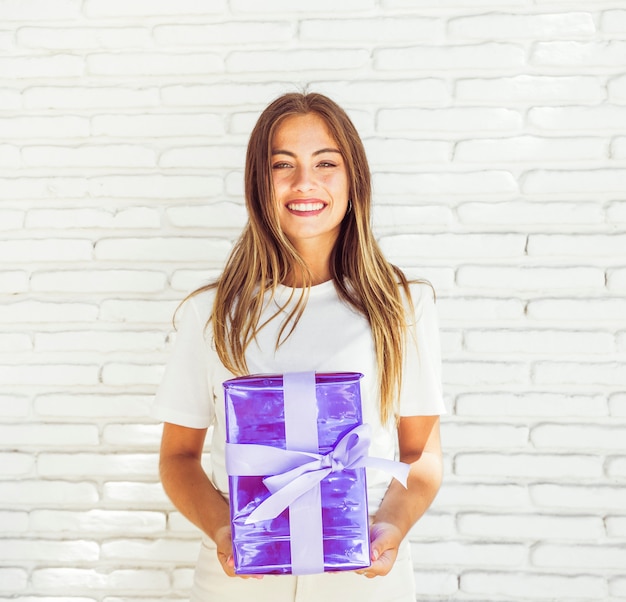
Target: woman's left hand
(385,541)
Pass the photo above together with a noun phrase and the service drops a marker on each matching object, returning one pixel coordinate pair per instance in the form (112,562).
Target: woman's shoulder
(200,301)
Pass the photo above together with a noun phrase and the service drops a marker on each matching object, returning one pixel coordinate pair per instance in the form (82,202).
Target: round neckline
(316,288)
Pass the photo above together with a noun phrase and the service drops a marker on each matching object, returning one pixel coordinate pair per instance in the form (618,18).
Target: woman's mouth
(305,207)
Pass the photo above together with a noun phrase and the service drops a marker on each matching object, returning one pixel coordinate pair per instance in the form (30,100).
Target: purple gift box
(295,454)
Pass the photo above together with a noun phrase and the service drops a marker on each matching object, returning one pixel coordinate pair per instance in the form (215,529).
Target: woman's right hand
(224,543)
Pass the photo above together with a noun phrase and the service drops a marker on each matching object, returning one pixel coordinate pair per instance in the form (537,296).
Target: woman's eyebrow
(280,151)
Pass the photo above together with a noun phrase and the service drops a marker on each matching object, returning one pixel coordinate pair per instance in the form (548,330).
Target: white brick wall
(496,131)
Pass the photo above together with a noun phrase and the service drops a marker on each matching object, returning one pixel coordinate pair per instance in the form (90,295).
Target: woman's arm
(420,446)
(190,489)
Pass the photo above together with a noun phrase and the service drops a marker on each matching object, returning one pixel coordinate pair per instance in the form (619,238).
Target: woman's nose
(303,179)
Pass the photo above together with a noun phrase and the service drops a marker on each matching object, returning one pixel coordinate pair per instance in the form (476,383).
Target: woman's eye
(280,165)
(326,164)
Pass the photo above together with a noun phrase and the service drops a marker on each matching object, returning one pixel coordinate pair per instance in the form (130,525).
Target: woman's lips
(308,207)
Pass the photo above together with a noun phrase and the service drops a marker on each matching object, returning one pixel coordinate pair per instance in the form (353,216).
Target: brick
(15,463)
(10,99)
(189,280)
(134,494)
(48,312)
(213,215)
(79,37)
(181,579)
(613,21)
(431,184)
(379,30)
(577,309)
(578,436)
(221,94)
(520,527)
(282,6)
(210,157)
(234,184)
(44,188)
(584,497)
(137,311)
(132,435)
(147,8)
(89,405)
(534,586)
(50,126)
(228,33)
(453,245)
(616,467)
(618,148)
(47,492)
(58,65)
(541,279)
(533,466)
(98,340)
(469,554)
(464,435)
(616,212)
(530,149)
(588,245)
(14,406)
(572,373)
(154,125)
(473,373)
(615,526)
(578,54)
(522,213)
(478,310)
(530,404)
(89,156)
(617,405)
(13,282)
(177,522)
(97,521)
(480,495)
(384,152)
(436,583)
(578,119)
(90,281)
(617,587)
(48,550)
(132,217)
(488,55)
(538,89)
(15,341)
(151,64)
(10,158)
(49,374)
(13,579)
(77,579)
(511,26)
(26,10)
(616,87)
(156,186)
(110,465)
(81,97)
(160,550)
(49,435)
(579,556)
(298,60)
(539,342)
(117,373)
(395,219)
(13,522)
(579,181)
(60,249)
(162,249)
(456,119)
(11,219)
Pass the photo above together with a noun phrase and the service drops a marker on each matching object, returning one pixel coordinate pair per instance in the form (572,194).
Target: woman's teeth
(305,206)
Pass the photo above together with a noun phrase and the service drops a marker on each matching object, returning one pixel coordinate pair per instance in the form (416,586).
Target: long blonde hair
(263,256)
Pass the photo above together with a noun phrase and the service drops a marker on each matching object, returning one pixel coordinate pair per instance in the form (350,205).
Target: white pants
(211,584)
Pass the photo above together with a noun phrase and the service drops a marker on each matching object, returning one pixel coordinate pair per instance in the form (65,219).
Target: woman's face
(310,182)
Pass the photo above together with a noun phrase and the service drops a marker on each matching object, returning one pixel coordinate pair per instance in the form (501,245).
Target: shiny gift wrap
(317,418)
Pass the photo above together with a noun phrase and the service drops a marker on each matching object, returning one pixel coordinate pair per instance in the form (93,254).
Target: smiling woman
(307,289)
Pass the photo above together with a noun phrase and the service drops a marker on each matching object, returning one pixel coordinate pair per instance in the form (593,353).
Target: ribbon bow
(296,472)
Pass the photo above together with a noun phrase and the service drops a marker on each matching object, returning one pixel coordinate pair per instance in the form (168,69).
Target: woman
(306,288)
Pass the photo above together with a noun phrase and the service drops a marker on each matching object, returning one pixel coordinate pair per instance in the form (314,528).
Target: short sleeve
(422,393)
(183,397)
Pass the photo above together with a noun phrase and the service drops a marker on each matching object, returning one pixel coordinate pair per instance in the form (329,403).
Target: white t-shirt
(330,337)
